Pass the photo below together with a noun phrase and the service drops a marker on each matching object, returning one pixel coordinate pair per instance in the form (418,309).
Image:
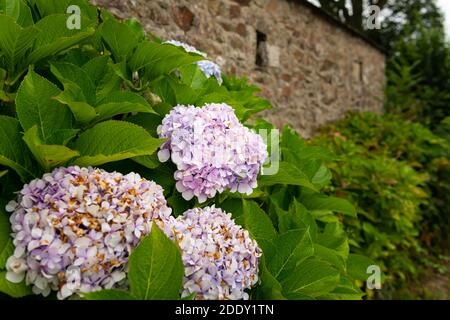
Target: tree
(405,20)
(418,85)
(351,12)
(399,19)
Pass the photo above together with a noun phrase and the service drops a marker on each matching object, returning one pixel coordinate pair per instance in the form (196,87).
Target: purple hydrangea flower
(74,229)
(209,68)
(212,151)
(219,257)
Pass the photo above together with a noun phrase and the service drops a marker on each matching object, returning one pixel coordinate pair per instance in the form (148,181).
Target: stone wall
(310,67)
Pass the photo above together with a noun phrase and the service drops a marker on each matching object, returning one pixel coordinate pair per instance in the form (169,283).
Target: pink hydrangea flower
(212,150)
(219,257)
(74,229)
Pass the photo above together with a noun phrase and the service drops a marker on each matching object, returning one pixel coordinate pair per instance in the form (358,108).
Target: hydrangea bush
(89,201)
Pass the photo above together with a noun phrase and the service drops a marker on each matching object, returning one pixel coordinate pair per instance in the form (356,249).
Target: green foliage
(406,19)
(305,248)
(95,96)
(418,86)
(389,167)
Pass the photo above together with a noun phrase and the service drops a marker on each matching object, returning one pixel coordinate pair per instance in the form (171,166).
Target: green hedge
(397,172)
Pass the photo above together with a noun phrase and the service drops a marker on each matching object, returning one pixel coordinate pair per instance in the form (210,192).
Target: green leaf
(122,70)
(318,201)
(118,37)
(79,91)
(291,141)
(150,162)
(122,102)
(54,36)
(6,252)
(103,76)
(357,266)
(156,269)
(49,7)
(287,174)
(48,156)
(158,59)
(312,278)
(302,217)
(17,10)
(178,204)
(233,206)
(35,106)
(256,221)
(113,141)
(148,121)
(322,176)
(109,294)
(15,290)
(73,97)
(289,249)
(3,173)
(163,108)
(269,287)
(136,27)
(15,41)
(193,76)
(333,257)
(13,151)
(63,136)
(173,92)
(68,73)
(332,245)
(346,290)
(297,217)
(5,238)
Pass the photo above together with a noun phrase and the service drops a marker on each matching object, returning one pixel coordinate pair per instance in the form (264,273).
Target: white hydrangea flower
(209,68)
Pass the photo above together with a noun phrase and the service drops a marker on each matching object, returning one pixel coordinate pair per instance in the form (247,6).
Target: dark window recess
(361,71)
(358,71)
(261,49)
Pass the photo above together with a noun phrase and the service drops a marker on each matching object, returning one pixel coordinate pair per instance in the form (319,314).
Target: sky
(445,7)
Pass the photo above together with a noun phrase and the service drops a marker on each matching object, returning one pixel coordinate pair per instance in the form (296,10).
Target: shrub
(395,171)
(95,96)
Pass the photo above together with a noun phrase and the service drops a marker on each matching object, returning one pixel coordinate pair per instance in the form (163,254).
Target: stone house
(310,66)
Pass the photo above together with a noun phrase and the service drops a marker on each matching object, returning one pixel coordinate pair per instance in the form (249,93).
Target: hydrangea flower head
(219,257)
(209,68)
(74,228)
(213,151)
